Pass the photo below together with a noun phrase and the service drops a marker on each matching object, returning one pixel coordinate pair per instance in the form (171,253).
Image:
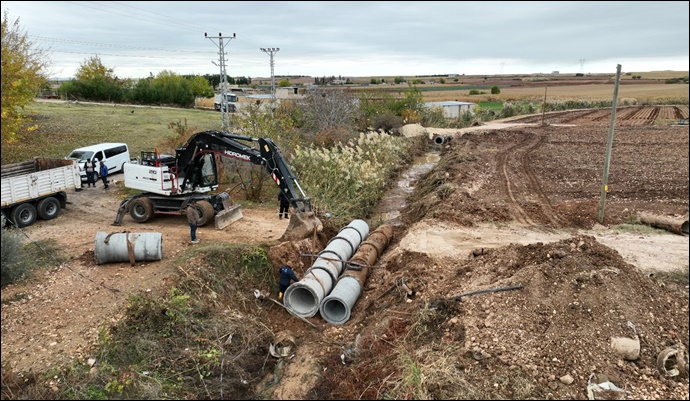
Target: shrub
(387,122)
(14,265)
(348,180)
(495,90)
(20,257)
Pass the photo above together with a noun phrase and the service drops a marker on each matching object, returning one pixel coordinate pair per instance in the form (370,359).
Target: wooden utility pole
(543,106)
(609,145)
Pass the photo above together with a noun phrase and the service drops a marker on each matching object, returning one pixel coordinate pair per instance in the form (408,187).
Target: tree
(93,68)
(495,90)
(94,81)
(201,87)
(328,111)
(22,74)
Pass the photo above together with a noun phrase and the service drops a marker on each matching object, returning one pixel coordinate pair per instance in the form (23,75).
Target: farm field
(510,204)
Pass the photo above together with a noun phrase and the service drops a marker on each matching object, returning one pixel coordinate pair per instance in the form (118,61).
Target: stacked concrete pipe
(336,307)
(304,297)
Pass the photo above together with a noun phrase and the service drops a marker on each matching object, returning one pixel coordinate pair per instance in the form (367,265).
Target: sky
(357,38)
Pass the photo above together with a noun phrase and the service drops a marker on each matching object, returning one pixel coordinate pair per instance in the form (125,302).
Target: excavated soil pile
(548,333)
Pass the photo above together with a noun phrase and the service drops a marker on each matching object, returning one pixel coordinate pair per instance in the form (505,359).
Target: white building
(451,108)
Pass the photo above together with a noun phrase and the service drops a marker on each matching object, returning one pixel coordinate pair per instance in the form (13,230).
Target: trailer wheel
(23,215)
(48,208)
(141,209)
(206,212)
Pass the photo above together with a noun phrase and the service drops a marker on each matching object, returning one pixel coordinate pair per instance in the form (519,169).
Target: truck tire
(23,215)
(141,209)
(206,212)
(48,208)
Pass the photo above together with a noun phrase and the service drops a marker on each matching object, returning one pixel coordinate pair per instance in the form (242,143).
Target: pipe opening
(335,311)
(301,300)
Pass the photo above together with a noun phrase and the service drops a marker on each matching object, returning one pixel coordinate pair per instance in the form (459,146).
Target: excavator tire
(206,212)
(141,209)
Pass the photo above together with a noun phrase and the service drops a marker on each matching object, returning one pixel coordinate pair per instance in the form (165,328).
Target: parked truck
(230,102)
(37,189)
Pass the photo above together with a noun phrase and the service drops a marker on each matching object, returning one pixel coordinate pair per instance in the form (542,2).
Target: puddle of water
(388,209)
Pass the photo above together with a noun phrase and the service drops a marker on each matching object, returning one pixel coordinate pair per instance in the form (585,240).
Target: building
(288,92)
(452,108)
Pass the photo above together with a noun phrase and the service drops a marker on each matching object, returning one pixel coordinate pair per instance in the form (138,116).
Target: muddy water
(395,199)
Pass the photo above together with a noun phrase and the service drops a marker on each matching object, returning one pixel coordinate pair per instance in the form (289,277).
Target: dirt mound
(546,320)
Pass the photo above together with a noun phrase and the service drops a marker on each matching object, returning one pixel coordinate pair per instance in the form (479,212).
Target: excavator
(170,182)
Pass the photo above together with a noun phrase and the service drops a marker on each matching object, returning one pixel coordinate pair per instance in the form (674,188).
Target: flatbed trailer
(37,189)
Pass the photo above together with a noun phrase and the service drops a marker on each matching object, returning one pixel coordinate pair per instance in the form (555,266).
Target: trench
(395,198)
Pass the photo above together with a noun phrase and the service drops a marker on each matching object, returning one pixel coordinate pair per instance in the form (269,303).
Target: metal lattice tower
(224,109)
(271,51)
(582,64)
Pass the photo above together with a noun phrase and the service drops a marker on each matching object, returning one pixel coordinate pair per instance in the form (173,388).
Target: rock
(566,379)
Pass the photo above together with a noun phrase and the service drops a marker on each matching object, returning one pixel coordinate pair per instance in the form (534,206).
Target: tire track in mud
(522,152)
(535,186)
(515,210)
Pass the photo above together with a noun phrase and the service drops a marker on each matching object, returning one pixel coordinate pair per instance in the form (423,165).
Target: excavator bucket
(302,225)
(228,216)
(230,213)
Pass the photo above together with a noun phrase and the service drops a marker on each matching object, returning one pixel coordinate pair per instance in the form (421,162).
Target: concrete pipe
(304,297)
(675,225)
(127,247)
(442,139)
(335,308)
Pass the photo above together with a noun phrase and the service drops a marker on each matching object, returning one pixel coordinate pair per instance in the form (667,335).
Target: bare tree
(329,110)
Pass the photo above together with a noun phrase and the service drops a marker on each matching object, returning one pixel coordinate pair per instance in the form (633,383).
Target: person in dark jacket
(193,220)
(284,205)
(286,278)
(104,174)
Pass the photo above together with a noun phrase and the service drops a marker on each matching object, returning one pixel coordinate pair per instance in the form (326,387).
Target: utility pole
(609,145)
(224,109)
(271,51)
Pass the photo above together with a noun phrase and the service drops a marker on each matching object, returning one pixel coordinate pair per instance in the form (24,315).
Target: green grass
(637,228)
(62,127)
(495,106)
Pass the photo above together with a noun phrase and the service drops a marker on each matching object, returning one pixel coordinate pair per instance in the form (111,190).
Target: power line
(81,42)
(125,13)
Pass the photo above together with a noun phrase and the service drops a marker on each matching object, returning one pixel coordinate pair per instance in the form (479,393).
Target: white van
(115,156)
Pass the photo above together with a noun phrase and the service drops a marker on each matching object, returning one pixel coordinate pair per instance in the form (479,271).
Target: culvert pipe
(336,307)
(304,297)
(127,247)
(442,139)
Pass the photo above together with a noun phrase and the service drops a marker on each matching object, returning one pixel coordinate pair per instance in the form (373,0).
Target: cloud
(360,38)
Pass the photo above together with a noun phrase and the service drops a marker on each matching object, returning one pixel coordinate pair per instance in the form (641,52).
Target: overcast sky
(358,39)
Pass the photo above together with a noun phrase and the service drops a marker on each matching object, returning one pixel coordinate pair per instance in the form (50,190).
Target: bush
(348,180)
(495,90)
(387,122)
(14,266)
(20,258)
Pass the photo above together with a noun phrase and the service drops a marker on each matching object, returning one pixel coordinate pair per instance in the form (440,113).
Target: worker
(104,174)
(284,205)
(193,219)
(286,278)
(90,168)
